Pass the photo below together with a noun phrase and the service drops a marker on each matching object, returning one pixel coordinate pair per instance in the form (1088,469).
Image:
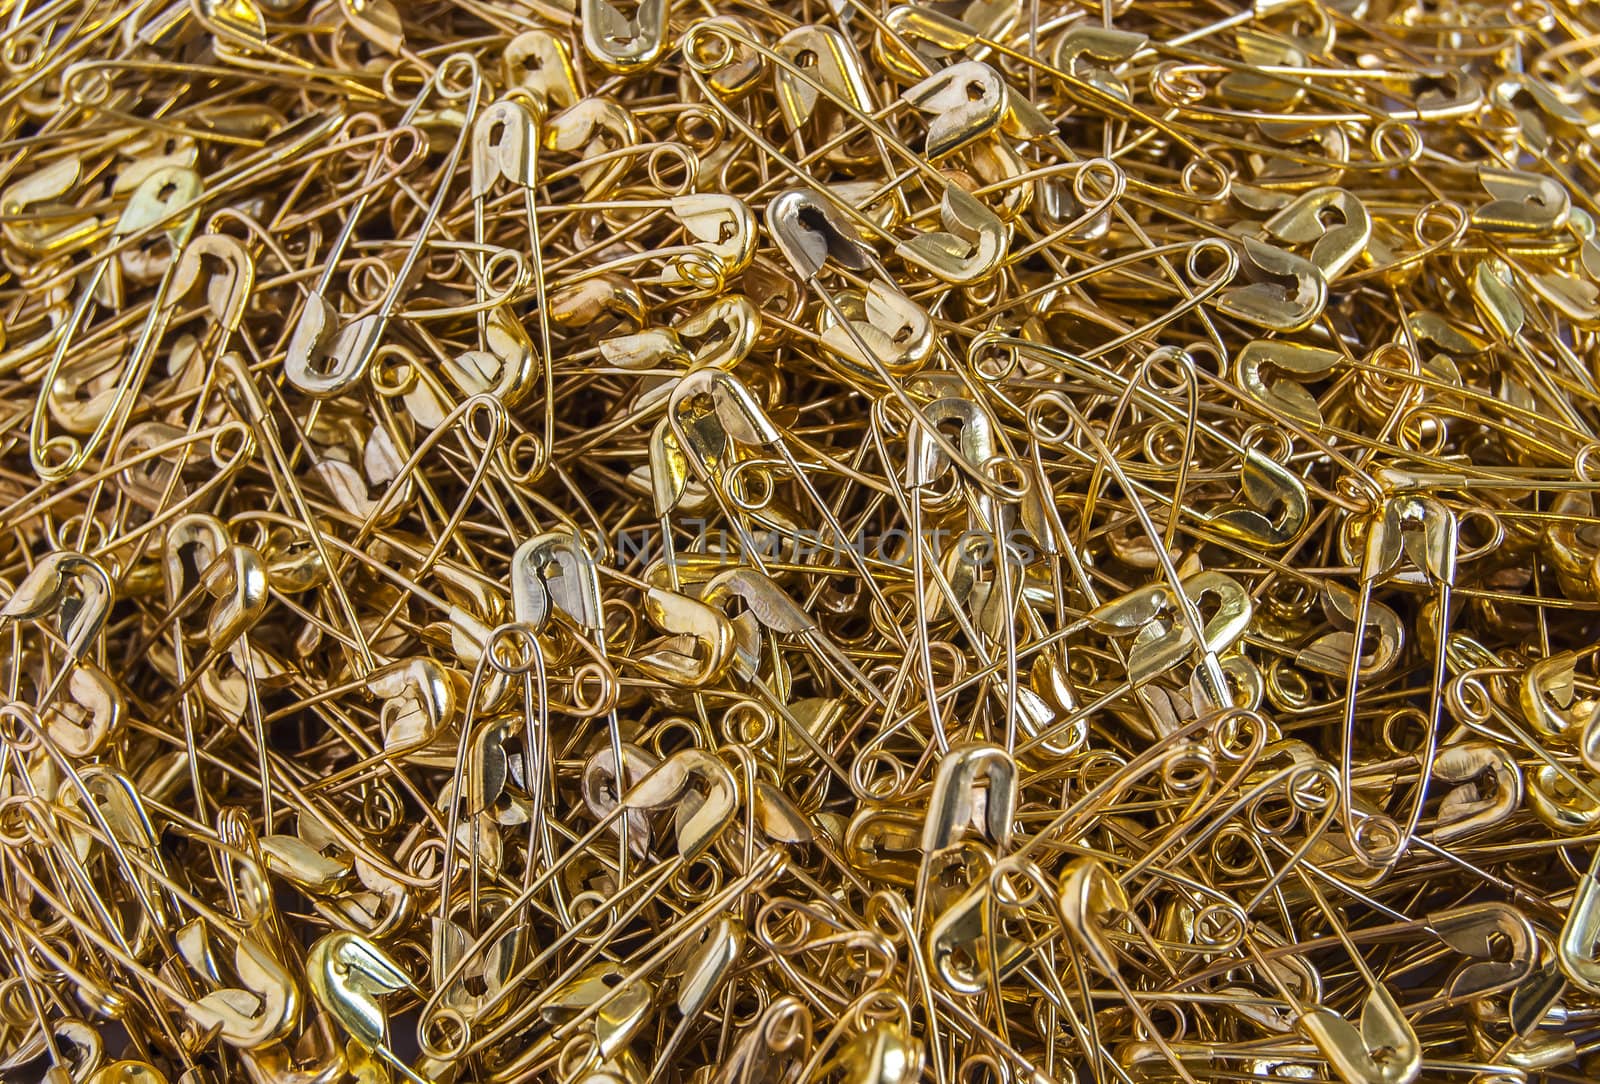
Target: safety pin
(953,807)
(1548,698)
(969,248)
(59,457)
(1497,298)
(537,61)
(808,63)
(83,32)
(91,712)
(621,44)
(73,587)
(268,987)
(711,413)
(702,973)
(505,145)
(325,356)
(346,973)
(1521,202)
(1424,530)
(380,468)
(1385,1050)
(697,823)
(1330,653)
(1113,47)
(1296,363)
(1266,484)
(263,980)
(259,418)
(698,646)
(772,607)
(237,580)
(968,101)
(555,572)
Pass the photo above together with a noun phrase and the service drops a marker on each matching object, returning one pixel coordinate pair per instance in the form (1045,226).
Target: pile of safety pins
(784,543)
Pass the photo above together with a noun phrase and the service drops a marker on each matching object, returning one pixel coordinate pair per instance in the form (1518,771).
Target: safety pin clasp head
(624,44)
(324,358)
(228,287)
(816,57)
(968,101)
(170,197)
(537,61)
(265,1008)
(1522,202)
(505,139)
(882,330)
(967,249)
(700,789)
(1384,1051)
(1287,292)
(93,711)
(237,580)
(725,231)
(1335,246)
(809,233)
(76,588)
(556,569)
(346,974)
(700,643)
(973,780)
(1106,44)
(1295,364)
(1275,508)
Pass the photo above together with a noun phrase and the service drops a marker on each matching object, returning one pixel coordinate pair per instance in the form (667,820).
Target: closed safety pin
(346,972)
(505,146)
(168,198)
(954,805)
(326,356)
